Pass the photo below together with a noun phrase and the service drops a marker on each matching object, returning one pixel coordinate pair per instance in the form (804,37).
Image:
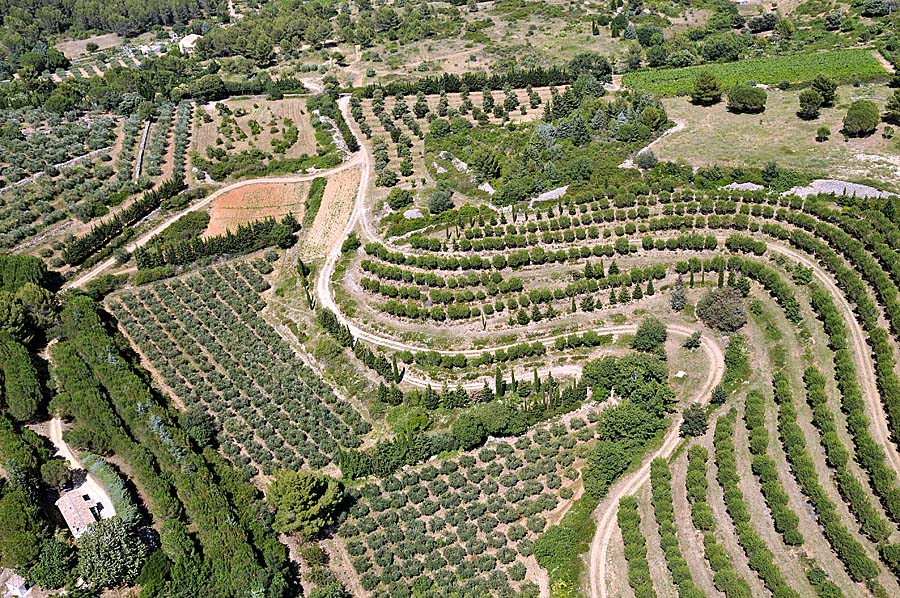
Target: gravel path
(139,160)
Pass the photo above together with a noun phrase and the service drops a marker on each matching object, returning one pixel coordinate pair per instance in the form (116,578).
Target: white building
(85,505)
(16,587)
(188,43)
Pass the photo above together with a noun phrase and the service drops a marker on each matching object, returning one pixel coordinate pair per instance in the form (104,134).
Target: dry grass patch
(75,48)
(715,136)
(270,118)
(337,205)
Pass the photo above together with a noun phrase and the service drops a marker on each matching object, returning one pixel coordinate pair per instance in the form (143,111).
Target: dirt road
(103,266)
(631,483)
(858,346)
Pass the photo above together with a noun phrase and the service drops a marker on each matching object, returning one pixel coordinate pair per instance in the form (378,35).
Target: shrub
(646,160)
(861,119)
(747,99)
(440,201)
(722,309)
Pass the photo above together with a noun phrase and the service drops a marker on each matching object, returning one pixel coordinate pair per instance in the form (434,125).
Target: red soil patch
(256,202)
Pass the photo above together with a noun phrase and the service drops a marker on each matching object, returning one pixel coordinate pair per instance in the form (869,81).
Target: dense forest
(29,25)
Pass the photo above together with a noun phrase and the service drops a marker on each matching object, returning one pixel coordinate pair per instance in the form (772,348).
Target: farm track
(606,512)
(199,205)
(631,483)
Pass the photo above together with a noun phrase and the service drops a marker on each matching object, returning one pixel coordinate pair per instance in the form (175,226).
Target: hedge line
(661,487)
(759,557)
(79,249)
(871,522)
(766,471)
(20,391)
(846,547)
(635,548)
(725,578)
(869,453)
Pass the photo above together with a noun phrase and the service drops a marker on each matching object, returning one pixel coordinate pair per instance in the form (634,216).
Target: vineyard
(843,65)
(418,339)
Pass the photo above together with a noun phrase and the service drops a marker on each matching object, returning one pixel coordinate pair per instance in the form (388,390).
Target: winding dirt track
(607,510)
(631,483)
(105,265)
(860,348)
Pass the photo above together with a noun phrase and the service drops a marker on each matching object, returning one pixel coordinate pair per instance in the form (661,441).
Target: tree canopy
(862,118)
(304,502)
(722,309)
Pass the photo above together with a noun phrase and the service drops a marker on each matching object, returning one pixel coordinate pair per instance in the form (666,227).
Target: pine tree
(678,300)
(587,304)
(707,90)
(487,395)
(892,109)
(650,289)
(691,283)
(499,387)
(721,282)
(624,295)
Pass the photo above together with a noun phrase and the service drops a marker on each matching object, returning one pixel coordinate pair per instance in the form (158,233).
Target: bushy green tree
(706,90)
(440,201)
(695,421)
(747,99)
(399,198)
(826,87)
(304,502)
(110,554)
(810,104)
(469,431)
(892,109)
(650,336)
(861,119)
(722,309)
(53,568)
(21,532)
(719,395)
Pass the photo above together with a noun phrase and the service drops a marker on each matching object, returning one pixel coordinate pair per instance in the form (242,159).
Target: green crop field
(842,65)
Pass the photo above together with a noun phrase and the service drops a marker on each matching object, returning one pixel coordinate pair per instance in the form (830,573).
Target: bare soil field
(78,47)
(337,204)
(270,117)
(255,202)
